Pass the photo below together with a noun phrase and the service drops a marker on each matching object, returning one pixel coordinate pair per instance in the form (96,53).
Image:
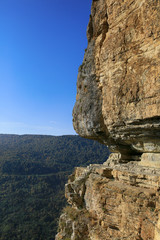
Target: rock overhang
(118,86)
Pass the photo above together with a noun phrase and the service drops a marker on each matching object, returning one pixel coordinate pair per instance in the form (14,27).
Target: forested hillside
(33,171)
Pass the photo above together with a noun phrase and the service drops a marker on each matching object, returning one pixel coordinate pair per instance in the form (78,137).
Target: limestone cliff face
(118,104)
(112,202)
(118,87)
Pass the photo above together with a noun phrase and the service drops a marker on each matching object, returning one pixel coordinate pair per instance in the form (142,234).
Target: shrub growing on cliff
(72,213)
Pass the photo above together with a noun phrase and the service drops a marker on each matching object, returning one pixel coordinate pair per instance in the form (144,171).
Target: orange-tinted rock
(118,202)
(118,87)
(118,104)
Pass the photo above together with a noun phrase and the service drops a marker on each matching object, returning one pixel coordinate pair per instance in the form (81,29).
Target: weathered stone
(118,104)
(150,159)
(118,100)
(121,202)
(75,192)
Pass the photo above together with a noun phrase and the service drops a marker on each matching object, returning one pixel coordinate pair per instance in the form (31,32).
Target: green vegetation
(33,171)
(82,217)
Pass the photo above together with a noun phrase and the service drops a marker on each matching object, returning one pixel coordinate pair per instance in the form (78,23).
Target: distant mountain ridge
(40,154)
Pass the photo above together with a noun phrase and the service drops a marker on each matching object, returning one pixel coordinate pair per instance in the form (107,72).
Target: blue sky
(42,44)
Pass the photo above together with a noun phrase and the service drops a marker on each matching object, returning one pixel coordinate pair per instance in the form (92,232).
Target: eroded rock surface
(116,201)
(118,104)
(118,87)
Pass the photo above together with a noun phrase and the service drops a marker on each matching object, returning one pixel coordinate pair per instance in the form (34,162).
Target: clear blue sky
(42,44)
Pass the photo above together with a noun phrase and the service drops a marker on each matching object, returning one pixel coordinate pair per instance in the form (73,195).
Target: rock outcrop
(118,87)
(113,201)
(118,104)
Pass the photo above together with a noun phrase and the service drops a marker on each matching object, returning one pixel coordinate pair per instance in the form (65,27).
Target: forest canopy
(33,172)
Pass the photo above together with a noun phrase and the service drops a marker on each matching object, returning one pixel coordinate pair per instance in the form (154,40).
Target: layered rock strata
(118,104)
(118,87)
(112,201)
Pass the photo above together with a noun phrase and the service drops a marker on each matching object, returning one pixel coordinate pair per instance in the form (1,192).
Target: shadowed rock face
(118,86)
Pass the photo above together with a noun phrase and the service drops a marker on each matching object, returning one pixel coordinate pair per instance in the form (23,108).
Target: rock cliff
(118,104)
(112,201)
(118,100)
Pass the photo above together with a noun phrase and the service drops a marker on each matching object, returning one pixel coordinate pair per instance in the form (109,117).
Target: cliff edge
(112,201)
(118,87)
(118,104)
